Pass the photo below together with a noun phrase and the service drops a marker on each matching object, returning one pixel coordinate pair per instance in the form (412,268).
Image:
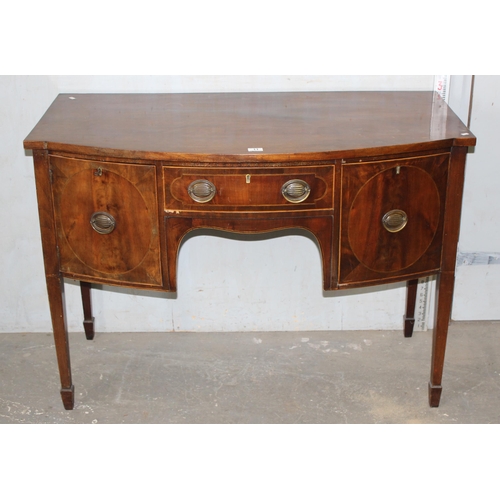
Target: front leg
(54,280)
(446,278)
(444,289)
(55,288)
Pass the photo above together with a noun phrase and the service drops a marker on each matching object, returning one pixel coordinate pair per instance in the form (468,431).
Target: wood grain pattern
(446,278)
(291,126)
(126,192)
(55,283)
(363,154)
(415,185)
(320,226)
(248,188)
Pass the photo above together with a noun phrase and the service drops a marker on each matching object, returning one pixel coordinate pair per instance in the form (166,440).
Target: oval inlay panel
(407,189)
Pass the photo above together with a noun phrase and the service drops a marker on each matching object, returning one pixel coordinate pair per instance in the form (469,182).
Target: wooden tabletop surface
(293,125)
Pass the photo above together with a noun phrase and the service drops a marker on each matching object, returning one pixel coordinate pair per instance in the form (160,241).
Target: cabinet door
(392,218)
(107,221)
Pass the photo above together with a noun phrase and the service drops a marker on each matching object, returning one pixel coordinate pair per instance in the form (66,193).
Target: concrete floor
(242,378)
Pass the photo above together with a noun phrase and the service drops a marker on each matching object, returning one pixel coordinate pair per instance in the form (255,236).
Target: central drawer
(229,189)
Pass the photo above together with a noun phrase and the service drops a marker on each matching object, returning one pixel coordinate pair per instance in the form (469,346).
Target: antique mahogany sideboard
(376,177)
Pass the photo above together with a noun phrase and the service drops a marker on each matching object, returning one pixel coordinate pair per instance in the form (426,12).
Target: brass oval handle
(201,191)
(395,220)
(295,190)
(102,222)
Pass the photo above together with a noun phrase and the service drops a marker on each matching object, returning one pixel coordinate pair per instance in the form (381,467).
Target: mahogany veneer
(376,177)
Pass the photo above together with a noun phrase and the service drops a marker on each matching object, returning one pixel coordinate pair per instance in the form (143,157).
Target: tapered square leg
(411,298)
(54,280)
(55,286)
(445,284)
(446,278)
(88,320)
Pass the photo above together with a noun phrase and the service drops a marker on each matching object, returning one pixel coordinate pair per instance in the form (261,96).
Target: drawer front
(107,220)
(392,215)
(215,189)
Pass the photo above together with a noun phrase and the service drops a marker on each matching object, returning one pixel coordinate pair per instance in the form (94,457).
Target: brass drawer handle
(201,191)
(102,222)
(295,190)
(395,220)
